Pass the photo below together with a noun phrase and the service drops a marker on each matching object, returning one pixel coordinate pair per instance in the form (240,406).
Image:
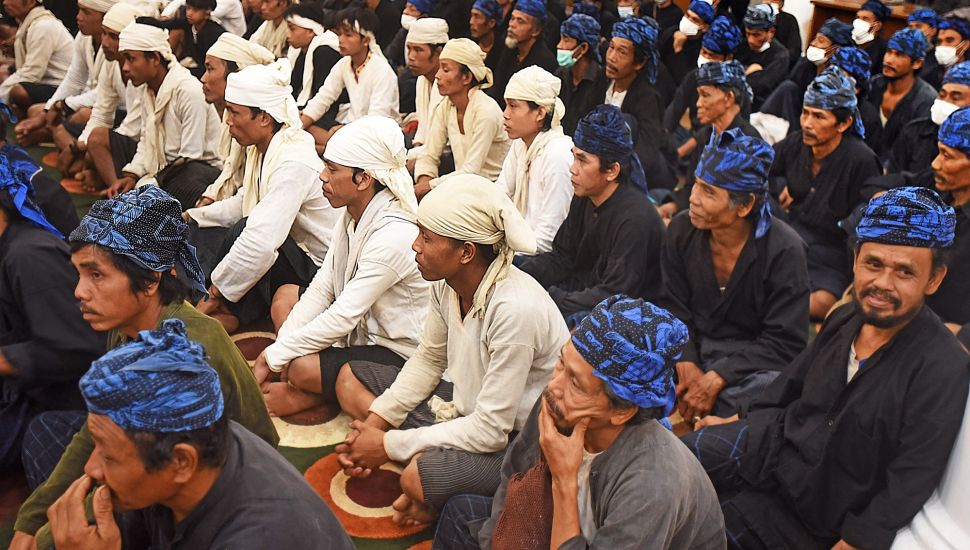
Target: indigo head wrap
(760,17)
(489,9)
(582,28)
(738,162)
(145,225)
(423,6)
(631,343)
(644,37)
(703,10)
(15,176)
(838,32)
(729,74)
(955,130)
(924,15)
(535,8)
(908,216)
(958,74)
(831,90)
(586,8)
(854,61)
(910,42)
(880,10)
(605,133)
(956,24)
(158,383)
(723,37)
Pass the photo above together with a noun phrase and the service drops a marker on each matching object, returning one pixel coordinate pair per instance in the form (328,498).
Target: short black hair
(842,114)
(256,111)
(738,199)
(310,10)
(546,122)
(155,449)
(209,5)
(463,69)
(377,185)
(170,289)
(360,17)
(606,161)
(231,66)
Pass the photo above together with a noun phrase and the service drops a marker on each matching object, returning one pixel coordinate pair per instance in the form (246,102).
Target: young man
(42,55)
(173,469)
(952,41)
(737,278)
(271,34)
(314,50)
(579,67)
(524,45)
(765,60)
(199,31)
(788,31)
(180,131)
(926,21)
(666,13)
(425,41)
(680,46)
(866,29)
(125,252)
(535,173)
(612,235)
(820,171)
(368,296)
(596,429)
(483,23)
(830,455)
(489,325)
(229,13)
(363,72)
(396,49)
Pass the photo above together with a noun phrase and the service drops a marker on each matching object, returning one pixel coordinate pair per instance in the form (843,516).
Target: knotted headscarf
(760,17)
(958,74)
(242,52)
(955,130)
(266,87)
(375,144)
(605,133)
(157,383)
(833,89)
(880,10)
(120,16)
(489,9)
(908,216)
(97,5)
(470,54)
(910,42)
(428,30)
(838,32)
(423,6)
(468,207)
(956,24)
(729,74)
(139,37)
(924,15)
(702,9)
(738,162)
(535,8)
(15,181)
(586,8)
(146,226)
(854,61)
(583,29)
(723,37)
(631,345)
(643,34)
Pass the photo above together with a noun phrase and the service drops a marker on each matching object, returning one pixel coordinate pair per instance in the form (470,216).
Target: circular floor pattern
(50,159)
(423,545)
(315,435)
(363,506)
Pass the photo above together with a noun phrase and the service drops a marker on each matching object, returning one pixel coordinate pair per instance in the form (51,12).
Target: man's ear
(468,252)
(936,279)
(184,462)
(622,416)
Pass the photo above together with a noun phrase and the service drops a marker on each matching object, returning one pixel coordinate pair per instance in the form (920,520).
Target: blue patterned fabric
(157,383)
(856,62)
(955,24)
(737,162)
(703,10)
(146,226)
(643,34)
(584,29)
(586,8)
(908,216)
(880,10)
(910,42)
(489,8)
(729,74)
(535,8)
(423,6)
(16,172)
(605,133)
(955,130)
(723,37)
(631,345)
(831,90)
(837,31)
(924,15)
(759,17)
(958,74)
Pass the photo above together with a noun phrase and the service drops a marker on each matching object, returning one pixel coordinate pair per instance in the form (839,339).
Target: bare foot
(408,512)
(229,321)
(283,399)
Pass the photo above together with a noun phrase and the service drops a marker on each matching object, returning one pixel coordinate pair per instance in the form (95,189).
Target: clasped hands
(363,449)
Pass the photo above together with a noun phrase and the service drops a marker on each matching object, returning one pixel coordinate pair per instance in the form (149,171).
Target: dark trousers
(48,435)
(460,520)
(16,412)
(187,180)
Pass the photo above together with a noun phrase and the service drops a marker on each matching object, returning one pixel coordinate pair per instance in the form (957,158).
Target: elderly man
(172,470)
(596,430)
(843,449)
(276,229)
(680,45)
(524,45)
(820,171)
(612,235)
(737,278)
(367,302)
(425,41)
(489,325)
(866,29)
(125,251)
(579,67)
(42,55)
(765,59)
(536,171)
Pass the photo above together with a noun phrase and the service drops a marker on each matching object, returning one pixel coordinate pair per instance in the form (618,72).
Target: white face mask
(940,110)
(946,55)
(764,47)
(407,21)
(625,11)
(860,32)
(701,60)
(688,27)
(815,55)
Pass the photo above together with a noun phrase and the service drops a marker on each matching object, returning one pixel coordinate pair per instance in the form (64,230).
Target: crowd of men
(513,240)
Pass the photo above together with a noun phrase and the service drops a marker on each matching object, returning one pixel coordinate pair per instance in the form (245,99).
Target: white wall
(802,10)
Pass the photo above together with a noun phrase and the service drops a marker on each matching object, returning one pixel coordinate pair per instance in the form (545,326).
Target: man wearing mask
(866,28)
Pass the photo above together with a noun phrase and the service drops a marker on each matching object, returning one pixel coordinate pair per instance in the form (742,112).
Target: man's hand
(69,523)
(753,68)
(203,201)
(261,369)
(842,545)
(687,373)
(363,450)
(667,211)
(212,304)
(714,421)
(121,185)
(563,454)
(22,541)
(679,40)
(53,115)
(700,397)
(307,121)
(422,187)
(784,199)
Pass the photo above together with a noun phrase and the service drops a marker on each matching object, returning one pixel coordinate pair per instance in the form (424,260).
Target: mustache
(553,407)
(870,291)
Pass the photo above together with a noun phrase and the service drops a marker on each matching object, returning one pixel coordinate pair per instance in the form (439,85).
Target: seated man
(737,278)
(484,24)
(579,67)
(596,430)
(195,32)
(866,29)
(489,325)
(846,445)
(535,174)
(173,470)
(820,171)
(368,300)
(765,59)
(42,55)
(524,45)
(952,42)
(612,236)
(271,34)
(314,50)
(425,41)
(680,45)
(276,229)
(926,20)
(126,263)
(180,131)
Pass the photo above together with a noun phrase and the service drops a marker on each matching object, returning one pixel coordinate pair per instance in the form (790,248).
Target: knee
(283,301)
(411,481)
(19,95)
(304,373)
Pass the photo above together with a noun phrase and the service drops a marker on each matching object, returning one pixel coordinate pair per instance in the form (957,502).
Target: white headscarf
(97,5)
(468,207)
(266,87)
(376,145)
(469,54)
(428,30)
(120,16)
(139,37)
(240,51)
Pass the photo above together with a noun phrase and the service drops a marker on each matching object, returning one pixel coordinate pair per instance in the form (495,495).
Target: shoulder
(559,149)
(680,232)
(27,245)
(521,299)
(635,208)
(782,236)
(947,359)
(649,454)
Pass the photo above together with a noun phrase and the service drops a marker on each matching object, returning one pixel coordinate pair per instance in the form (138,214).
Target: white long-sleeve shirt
(550,188)
(499,366)
(115,93)
(228,13)
(373,92)
(77,88)
(46,53)
(381,298)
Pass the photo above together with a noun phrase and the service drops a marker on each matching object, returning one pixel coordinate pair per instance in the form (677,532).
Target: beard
(881,321)
(556,413)
(510,42)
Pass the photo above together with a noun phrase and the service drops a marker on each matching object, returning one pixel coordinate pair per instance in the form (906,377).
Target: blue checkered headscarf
(582,28)
(489,8)
(910,42)
(146,226)
(880,10)
(423,6)
(723,37)
(759,17)
(643,34)
(631,345)
(157,383)
(586,8)
(15,181)
(854,61)
(703,10)
(738,162)
(605,133)
(728,74)
(924,15)
(908,216)
(838,32)
(956,24)
(535,8)
(955,130)
(831,90)
(958,74)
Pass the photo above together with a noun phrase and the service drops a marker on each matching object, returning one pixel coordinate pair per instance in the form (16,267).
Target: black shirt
(324,58)
(916,104)
(682,62)
(668,16)
(787,32)
(774,68)
(685,99)
(580,99)
(538,55)
(876,50)
(194,45)
(389,20)
(952,300)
